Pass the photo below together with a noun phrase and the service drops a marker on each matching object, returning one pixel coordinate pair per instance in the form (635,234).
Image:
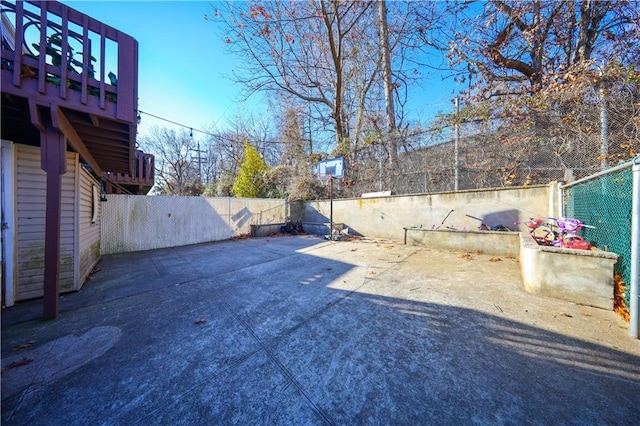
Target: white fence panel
(139,222)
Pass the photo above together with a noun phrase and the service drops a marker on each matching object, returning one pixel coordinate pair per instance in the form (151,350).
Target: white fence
(139,222)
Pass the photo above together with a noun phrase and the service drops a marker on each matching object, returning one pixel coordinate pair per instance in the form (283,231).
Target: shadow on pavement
(256,331)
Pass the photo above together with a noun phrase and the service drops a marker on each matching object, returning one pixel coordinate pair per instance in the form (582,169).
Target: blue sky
(182,64)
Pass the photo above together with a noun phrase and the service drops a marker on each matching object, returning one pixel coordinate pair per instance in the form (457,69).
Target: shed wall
(89,207)
(30,223)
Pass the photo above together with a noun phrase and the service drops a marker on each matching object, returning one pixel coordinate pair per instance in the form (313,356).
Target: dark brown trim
(53,149)
(61,123)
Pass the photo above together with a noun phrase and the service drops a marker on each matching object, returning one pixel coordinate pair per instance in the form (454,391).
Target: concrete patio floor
(299,330)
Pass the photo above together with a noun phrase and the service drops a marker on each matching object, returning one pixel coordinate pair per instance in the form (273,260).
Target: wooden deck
(138,183)
(84,71)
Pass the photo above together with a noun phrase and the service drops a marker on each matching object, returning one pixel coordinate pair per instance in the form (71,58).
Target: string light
(192,129)
(422,132)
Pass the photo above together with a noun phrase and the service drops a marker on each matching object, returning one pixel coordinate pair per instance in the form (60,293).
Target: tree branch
(503,62)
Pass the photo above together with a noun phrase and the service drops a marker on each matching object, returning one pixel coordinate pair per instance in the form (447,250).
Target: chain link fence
(567,141)
(605,202)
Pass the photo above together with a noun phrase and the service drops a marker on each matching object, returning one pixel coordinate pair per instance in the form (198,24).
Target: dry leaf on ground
(16,364)
(23,345)
(619,291)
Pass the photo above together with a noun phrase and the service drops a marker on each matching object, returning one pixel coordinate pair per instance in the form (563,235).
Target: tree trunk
(537,50)
(388,84)
(591,14)
(335,46)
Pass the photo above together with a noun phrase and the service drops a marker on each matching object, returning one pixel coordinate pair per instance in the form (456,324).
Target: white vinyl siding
(30,219)
(89,232)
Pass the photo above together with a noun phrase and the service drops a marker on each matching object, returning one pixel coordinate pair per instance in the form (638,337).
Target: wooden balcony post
(54,163)
(53,148)
(42,57)
(17,53)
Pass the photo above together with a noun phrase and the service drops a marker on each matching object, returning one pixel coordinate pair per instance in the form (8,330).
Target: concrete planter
(316,228)
(265,230)
(580,276)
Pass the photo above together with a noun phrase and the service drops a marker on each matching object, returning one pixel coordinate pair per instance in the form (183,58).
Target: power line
(231,140)
(227,138)
(176,123)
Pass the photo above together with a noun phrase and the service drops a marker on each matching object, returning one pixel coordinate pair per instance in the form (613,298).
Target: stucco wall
(385,217)
(139,222)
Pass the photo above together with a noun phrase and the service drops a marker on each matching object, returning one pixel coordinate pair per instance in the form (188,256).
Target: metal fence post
(604,130)
(456,147)
(634,322)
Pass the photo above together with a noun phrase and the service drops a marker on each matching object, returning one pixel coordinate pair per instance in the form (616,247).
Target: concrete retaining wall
(139,222)
(581,276)
(386,217)
(488,242)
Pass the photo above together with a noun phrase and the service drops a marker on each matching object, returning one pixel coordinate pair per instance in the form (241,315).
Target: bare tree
(223,148)
(524,47)
(176,172)
(325,58)
(540,74)
(299,49)
(295,152)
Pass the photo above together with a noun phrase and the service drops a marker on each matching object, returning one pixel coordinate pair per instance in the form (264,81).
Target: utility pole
(456,143)
(199,158)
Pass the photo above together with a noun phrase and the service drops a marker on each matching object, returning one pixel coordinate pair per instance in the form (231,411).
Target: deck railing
(144,172)
(48,47)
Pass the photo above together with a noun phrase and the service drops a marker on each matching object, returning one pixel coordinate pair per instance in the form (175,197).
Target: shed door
(7,222)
